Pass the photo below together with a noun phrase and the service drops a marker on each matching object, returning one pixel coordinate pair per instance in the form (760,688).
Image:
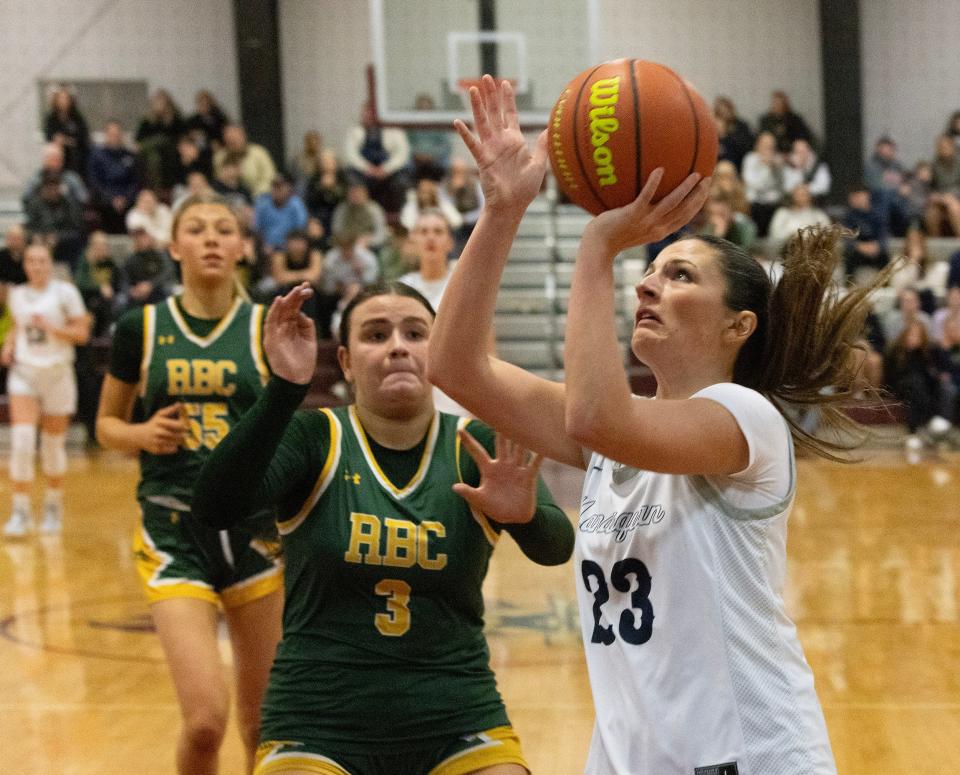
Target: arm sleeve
(267,458)
(126,351)
(548,538)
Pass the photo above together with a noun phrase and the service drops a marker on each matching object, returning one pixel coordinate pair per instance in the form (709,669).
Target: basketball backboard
(427,52)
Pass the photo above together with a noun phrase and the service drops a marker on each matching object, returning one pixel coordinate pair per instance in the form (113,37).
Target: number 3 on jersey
(630,630)
(396,621)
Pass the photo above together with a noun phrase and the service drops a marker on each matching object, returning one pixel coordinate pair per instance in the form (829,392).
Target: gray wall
(911,72)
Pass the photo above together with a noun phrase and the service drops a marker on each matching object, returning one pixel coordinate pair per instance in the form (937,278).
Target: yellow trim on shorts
(268,762)
(492,535)
(253,588)
(150,561)
(323,480)
(502,747)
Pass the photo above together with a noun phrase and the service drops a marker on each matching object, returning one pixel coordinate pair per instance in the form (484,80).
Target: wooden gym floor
(874,573)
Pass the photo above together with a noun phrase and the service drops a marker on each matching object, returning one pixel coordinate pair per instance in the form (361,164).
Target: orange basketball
(617,122)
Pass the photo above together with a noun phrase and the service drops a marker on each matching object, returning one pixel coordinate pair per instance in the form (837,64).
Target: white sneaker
(52,519)
(18,525)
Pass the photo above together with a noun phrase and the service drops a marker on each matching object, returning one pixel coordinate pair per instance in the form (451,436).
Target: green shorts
(176,556)
(465,754)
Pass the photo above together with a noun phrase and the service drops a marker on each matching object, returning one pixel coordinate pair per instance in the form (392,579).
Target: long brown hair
(802,353)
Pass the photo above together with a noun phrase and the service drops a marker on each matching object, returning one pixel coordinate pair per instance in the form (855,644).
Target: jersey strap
(330,466)
(149,329)
(256,342)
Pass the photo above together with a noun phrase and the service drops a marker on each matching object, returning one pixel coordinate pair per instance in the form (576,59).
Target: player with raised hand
(681,541)
(387,531)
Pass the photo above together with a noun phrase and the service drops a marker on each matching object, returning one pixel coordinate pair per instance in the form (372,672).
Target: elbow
(582,422)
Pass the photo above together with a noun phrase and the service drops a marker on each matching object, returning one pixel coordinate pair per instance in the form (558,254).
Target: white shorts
(55,387)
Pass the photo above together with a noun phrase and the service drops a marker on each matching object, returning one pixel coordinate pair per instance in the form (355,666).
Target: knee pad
(53,453)
(23,451)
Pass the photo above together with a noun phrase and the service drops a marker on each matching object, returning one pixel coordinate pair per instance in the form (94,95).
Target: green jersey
(384,610)
(217,375)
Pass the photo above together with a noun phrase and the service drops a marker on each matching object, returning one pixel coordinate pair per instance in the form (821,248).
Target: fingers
(540,149)
(470,494)
(469,138)
(481,123)
(675,197)
(492,102)
(173,410)
(689,207)
(474,448)
(510,119)
(534,463)
(650,187)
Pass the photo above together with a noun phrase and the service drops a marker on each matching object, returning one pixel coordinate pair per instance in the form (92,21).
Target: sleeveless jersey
(694,664)
(383,646)
(216,377)
(59,302)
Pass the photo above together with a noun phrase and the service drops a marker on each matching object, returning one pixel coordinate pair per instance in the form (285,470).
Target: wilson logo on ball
(617,122)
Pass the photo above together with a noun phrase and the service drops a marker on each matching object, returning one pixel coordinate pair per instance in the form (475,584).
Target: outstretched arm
(525,407)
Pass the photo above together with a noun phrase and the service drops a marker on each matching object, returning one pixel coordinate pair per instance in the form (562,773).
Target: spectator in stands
(98,280)
(151,214)
(65,125)
(379,157)
(907,309)
(399,255)
(347,268)
(306,164)
(257,169)
(360,215)
(11,258)
(763,178)
(920,271)
(912,372)
(52,162)
(228,184)
(296,264)
(785,125)
(949,348)
(721,220)
(207,123)
(726,182)
(428,196)
(948,315)
(874,345)
(192,157)
(429,148)
(788,219)
(953,127)
(196,185)
(462,187)
(736,137)
(56,219)
(915,192)
(868,245)
(157,137)
(885,176)
(326,189)
(278,213)
(148,273)
(804,166)
(114,179)
(945,198)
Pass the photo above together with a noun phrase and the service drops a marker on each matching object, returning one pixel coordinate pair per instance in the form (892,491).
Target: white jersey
(695,667)
(59,301)
(432,291)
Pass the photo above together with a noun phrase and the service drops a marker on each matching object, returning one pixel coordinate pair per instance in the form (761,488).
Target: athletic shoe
(18,525)
(52,519)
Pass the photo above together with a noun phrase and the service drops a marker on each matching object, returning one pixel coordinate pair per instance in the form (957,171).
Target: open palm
(508,482)
(290,337)
(510,171)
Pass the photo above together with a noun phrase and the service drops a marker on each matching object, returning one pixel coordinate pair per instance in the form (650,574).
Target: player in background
(681,542)
(49,319)
(195,362)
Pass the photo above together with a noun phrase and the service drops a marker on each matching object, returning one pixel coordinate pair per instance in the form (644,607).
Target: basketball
(615,123)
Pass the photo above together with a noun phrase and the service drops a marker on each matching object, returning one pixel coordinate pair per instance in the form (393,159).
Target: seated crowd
(340,220)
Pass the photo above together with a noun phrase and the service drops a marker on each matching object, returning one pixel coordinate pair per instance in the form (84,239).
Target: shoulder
(740,400)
